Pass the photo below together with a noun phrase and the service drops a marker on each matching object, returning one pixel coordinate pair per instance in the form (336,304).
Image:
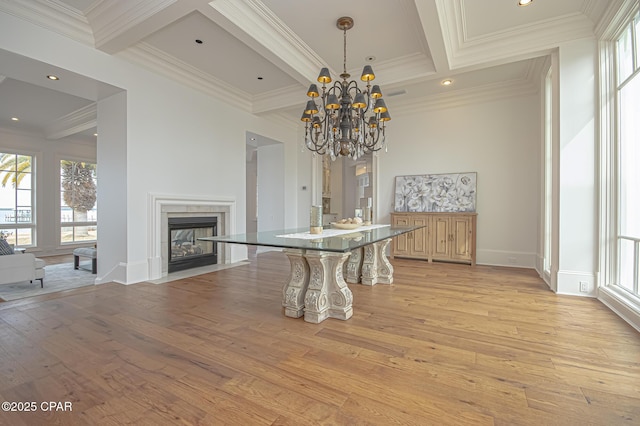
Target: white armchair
(15,268)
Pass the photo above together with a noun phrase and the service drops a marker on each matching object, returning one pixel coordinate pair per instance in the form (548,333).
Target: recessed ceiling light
(370,58)
(52,77)
(15,119)
(524,2)
(447,82)
(260,78)
(253,139)
(95,134)
(199,41)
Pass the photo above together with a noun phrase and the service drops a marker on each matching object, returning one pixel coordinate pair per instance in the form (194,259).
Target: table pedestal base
(295,289)
(375,265)
(353,267)
(316,288)
(328,295)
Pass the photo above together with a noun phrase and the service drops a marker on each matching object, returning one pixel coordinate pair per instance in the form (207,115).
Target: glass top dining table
(331,239)
(320,264)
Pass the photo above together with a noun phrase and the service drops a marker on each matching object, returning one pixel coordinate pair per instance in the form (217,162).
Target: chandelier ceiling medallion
(350,121)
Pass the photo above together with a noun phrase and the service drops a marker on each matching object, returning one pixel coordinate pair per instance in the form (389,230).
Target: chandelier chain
(344,59)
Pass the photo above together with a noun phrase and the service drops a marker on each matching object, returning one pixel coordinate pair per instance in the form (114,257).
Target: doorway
(347,187)
(264,184)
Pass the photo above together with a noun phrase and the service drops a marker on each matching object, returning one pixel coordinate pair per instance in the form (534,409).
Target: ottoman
(88,252)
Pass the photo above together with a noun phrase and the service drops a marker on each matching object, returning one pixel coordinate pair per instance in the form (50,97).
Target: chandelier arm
(314,144)
(373,145)
(353,85)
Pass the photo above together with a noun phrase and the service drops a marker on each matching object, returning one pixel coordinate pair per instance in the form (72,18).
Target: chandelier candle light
(350,122)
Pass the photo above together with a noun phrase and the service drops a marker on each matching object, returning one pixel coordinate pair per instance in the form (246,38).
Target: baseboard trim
(512,259)
(624,308)
(569,283)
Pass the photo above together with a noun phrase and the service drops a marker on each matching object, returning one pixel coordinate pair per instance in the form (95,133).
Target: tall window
(17,222)
(78,194)
(628,159)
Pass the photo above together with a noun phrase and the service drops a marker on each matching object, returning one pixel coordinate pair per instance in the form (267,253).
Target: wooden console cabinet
(447,237)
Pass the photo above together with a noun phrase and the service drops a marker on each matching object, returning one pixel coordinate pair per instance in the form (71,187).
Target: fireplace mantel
(162,206)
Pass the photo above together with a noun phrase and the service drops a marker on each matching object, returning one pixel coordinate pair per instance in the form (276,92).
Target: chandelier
(350,121)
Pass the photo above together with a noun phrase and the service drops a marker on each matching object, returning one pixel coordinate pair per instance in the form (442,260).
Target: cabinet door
(440,238)
(419,246)
(401,243)
(462,237)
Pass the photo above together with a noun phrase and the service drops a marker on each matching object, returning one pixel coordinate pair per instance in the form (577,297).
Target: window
(17,223)
(78,194)
(628,157)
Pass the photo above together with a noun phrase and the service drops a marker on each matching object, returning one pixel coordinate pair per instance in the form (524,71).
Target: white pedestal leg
(353,267)
(295,289)
(385,269)
(375,265)
(370,265)
(327,295)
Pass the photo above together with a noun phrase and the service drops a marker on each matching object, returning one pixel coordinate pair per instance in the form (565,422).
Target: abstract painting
(453,192)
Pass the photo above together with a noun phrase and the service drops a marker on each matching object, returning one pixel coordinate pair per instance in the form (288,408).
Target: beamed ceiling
(261,55)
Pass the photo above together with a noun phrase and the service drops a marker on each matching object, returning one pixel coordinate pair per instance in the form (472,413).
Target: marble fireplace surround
(163,206)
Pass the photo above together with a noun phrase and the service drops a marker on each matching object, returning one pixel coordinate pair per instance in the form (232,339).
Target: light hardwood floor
(445,344)
(55,260)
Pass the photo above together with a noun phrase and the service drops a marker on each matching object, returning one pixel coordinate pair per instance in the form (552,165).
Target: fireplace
(185,250)
(163,207)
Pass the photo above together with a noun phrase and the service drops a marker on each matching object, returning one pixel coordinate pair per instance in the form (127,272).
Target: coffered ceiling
(260,55)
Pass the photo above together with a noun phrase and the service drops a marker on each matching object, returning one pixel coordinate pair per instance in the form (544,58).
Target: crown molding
(504,45)
(279,99)
(283,119)
(537,67)
(75,122)
(459,98)
(401,69)
(52,15)
(615,17)
(110,19)
(162,63)
(263,26)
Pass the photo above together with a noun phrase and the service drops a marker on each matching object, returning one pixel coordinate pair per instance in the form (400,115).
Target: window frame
(73,224)
(618,298)
(32,224)
(631,26)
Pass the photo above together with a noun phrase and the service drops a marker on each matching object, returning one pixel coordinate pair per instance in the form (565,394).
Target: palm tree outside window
(17,221)
(78,209)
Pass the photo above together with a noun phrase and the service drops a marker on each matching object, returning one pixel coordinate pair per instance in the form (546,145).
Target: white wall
(576,64)
(497,139)
(112,184)
(178,141)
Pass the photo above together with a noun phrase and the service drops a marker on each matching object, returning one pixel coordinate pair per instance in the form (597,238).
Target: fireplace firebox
(185,250)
